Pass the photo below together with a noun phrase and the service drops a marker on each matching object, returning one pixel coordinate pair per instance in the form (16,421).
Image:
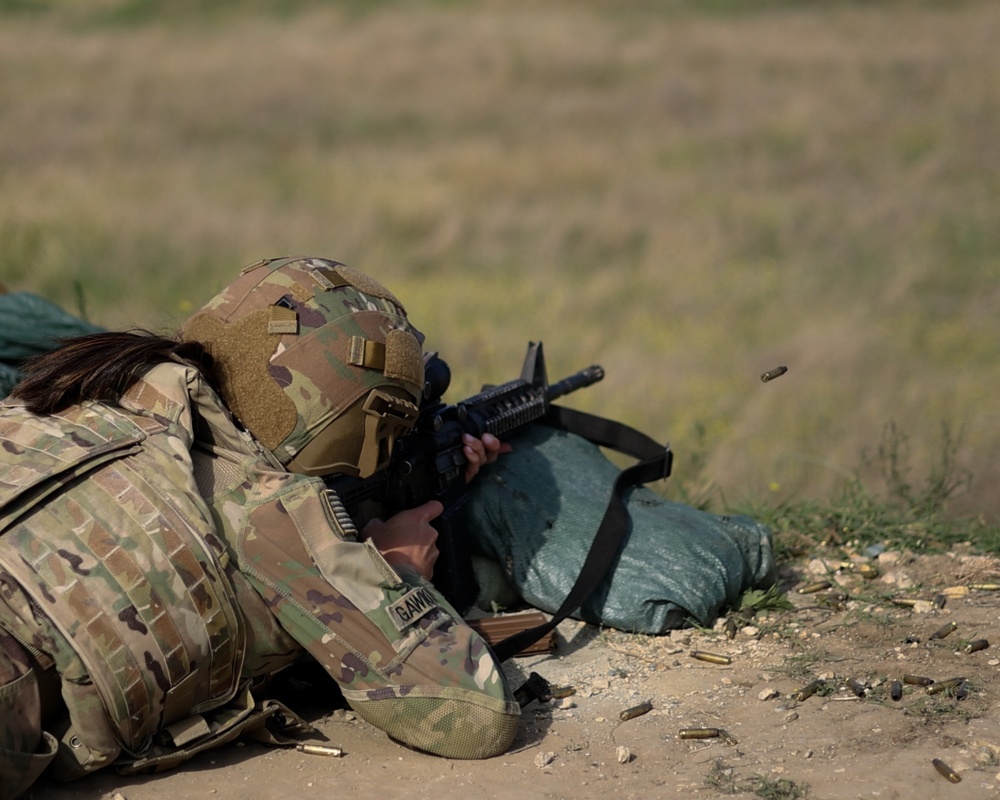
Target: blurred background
(687,192)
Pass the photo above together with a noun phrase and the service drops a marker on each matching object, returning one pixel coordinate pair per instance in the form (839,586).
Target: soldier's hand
(481,451)
(407,539)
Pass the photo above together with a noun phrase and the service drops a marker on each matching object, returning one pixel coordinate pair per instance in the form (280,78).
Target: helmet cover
(317,360)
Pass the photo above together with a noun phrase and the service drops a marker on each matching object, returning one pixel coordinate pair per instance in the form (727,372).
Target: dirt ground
(832,744)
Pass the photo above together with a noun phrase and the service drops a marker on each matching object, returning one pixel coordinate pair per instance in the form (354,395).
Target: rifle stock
(428,463)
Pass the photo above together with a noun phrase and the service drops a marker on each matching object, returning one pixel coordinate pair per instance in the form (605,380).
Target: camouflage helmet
(317,360)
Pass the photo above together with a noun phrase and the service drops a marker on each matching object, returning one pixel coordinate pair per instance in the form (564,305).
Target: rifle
(428,463)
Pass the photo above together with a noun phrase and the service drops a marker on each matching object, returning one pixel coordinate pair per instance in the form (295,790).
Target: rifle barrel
(585,377)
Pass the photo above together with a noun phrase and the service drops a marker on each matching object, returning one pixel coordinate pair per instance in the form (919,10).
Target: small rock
(898,578)
(791,716)
(818,567)
(544,759)
(623,754)
(680,636)
(769,694)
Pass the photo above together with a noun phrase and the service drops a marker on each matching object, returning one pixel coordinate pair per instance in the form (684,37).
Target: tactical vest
(109,566)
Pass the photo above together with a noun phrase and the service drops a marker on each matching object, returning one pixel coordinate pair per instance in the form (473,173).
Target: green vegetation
(723,780)
(688,193)
(906,516)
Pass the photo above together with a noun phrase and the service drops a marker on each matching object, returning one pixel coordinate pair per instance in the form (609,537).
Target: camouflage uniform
(158,558)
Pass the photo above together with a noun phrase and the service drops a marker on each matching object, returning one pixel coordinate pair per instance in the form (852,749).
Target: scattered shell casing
(986,587)
(868,571)
(812,588)
(809,690)
(699,733)
(320,750)
(947,771)
(635,711)
(940,600)
(905,602)
(896,691)
(561,692)
(944,630)
(975,646)
(711,658)
(961,691)
(771,374)
(856,687)
(945,685)
(732,626)
(917,680)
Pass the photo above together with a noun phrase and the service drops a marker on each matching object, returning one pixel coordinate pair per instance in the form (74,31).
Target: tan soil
(827,746)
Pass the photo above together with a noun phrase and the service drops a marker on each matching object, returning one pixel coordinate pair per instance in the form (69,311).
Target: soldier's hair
(100,367)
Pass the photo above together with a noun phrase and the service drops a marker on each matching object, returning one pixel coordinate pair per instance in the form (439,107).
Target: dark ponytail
(100,367)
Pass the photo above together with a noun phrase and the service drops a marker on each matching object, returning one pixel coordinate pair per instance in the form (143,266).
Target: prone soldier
(167,540)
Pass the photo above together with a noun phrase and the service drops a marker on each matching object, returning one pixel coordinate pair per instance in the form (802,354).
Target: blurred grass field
(686,192)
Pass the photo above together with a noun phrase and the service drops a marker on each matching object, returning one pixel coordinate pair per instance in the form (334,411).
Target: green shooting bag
(535,512)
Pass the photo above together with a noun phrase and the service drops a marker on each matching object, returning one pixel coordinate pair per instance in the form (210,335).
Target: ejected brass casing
(945,685)
(562,692)
(856,687)
(808,690)
(975,646)
(917,680)
(947,771)
(711,658)
(699,733)
(771,374)
(869,571)
(636,711)
(816,586)
(320,750)
(896,690)
(707,733)
(944,630)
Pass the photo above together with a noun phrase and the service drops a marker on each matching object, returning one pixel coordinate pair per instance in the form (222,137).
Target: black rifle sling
(654,464)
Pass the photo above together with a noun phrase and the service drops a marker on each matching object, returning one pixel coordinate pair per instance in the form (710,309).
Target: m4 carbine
(428,463)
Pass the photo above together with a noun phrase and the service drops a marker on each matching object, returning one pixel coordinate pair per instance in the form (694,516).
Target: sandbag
(29,326)
(536,510)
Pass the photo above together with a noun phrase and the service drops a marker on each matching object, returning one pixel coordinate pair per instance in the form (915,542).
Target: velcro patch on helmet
(400,358)
(282,320)
(242,351)
(328,278)
(367,284)
(404,359)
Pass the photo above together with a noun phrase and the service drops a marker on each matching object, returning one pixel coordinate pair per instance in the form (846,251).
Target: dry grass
(686,198)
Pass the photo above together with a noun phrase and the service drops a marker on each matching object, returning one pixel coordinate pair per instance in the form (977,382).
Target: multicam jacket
(160,559)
